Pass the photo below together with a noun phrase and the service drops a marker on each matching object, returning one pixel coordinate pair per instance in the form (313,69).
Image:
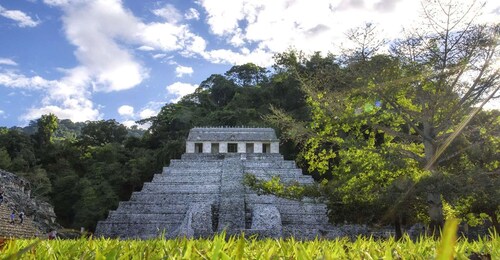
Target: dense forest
(393,137)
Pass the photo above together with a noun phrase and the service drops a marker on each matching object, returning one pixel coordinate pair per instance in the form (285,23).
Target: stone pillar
(223,147)
(242,147)
(207,147)
(275,147)
(189,147)
(257,147)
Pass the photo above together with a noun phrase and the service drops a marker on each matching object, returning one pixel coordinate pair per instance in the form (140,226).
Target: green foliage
(222,247)
(292,190)
(47,125)
(103,132)
(379,123)
(5,160)
(40,184)
(247,75)
(20,148)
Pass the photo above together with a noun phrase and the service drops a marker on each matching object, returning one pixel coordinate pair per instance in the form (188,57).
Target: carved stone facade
(202,193)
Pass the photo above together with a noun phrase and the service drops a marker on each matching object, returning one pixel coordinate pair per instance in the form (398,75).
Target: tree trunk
(397,227)
(435,212)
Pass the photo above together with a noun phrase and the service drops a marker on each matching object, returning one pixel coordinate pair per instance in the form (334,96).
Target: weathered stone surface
(197,222)
(176,202)
(17,196)
(268,218)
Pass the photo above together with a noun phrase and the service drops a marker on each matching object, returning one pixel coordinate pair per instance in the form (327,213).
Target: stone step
(187,188)
(191,171)
(145,207)
(275,171)
(222,156)
(252,198)
(146,218)
(269,164)
(173,197)
(195,164)
(16,230)
(286,178)
(264,157)
(179,178)
(294,209)
(303,209)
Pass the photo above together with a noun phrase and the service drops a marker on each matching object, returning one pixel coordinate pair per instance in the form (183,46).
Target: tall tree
(383,134)
(103,132)
(47,125)
(247,75)
(452,71)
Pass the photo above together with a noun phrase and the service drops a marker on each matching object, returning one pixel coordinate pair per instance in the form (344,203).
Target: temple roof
(223,134)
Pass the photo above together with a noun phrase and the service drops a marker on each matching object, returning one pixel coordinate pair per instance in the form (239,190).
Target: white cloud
(162,36)
(5,61)
(146,113)
(146,48)
(126,110)
(159,56)
(169,13)
(15,80)
(181,71)
(128,123)
(66,97)
(110,67)
(74,113)
(309,27)
(88,24)
(258,56)
(22,19)
(192,14)
(171,37)
(56,2)
(180,89)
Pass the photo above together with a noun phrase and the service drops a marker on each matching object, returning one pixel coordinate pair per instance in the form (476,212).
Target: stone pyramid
(202,193)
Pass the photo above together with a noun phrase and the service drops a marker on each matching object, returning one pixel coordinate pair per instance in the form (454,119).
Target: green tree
(101,132)
(20,148)
(247,75)
(5,160)
(47,125)
(382,135)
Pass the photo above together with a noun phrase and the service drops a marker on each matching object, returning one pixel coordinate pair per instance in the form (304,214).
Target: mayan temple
(202,193)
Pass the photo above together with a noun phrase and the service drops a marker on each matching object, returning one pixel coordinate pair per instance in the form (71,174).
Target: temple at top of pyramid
(232,140)
(203,192)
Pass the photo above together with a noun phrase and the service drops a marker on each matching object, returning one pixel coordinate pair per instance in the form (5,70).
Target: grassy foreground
(221,247)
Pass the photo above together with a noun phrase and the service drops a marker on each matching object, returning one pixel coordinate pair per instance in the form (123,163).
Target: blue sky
(103,59)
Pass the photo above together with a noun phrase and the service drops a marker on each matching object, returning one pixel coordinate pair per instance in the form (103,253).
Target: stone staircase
(16,230)
(162,204)
(211,179)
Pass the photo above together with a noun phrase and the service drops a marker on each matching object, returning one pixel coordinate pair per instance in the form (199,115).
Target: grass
(222,247)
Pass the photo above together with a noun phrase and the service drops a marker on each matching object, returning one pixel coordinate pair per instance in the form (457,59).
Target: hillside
(40,217)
